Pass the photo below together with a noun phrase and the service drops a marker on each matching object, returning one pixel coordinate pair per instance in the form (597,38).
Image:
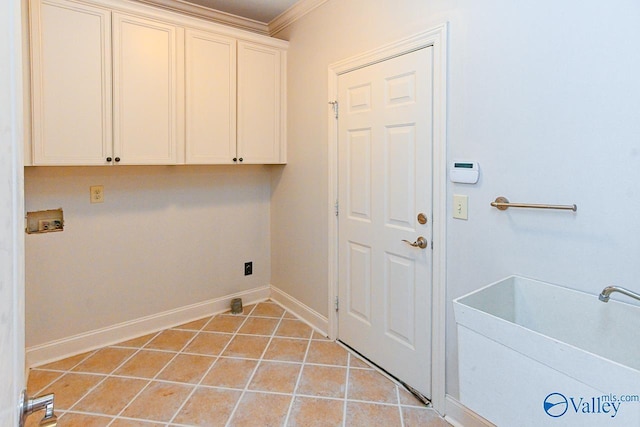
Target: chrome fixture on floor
(606,292)
(29,406)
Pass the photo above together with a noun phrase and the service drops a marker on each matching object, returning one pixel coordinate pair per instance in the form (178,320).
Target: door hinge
(337,303)
(334,105)
(337,207)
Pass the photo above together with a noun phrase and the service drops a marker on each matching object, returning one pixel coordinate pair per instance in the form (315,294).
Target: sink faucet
(606,292)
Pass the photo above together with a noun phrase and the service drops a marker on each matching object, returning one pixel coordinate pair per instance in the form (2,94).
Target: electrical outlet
(248,268)
(97,193)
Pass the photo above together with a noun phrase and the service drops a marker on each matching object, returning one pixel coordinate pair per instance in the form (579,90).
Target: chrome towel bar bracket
(502,203)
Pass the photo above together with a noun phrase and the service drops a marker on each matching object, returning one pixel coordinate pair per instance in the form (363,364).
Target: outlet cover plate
(97,193)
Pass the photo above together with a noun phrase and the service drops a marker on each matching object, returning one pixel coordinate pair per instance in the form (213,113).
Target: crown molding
(288,17)
(212,15)
(291,15)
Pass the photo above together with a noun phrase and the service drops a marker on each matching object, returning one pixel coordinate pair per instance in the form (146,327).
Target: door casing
(12,297)
(436,38)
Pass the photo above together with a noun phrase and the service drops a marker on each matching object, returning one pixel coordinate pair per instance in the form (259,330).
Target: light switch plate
(460,206)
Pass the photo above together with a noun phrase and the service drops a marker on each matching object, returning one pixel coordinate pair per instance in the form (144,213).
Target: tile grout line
(107,375)
(198,332)
(70,371)
(195,386)
(302,319)
(215,361)
(246,387)
(50,383)
(399,406)
(295,388)
(260,361)
(376,369)
(61,371)
(346,391)
(151,380)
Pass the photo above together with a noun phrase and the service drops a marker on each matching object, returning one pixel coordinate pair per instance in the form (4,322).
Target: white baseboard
(306,313)
(459,415)
(87,341)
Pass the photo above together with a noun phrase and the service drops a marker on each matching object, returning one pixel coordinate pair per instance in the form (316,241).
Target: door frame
(437,39)
(12,211)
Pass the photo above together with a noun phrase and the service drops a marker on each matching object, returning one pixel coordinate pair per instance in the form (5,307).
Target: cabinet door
(210,98)
(148,58)
(71,83)
(260,104)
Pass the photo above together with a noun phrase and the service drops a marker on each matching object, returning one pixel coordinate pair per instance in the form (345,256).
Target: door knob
(420,242)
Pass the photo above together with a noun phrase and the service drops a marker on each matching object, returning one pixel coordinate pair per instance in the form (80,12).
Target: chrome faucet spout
(606,292)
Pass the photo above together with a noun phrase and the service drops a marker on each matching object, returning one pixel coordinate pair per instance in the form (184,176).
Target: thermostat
(464,172)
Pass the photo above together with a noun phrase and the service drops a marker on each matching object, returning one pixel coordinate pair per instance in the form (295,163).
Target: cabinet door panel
(146,78)
(71,83)
(259,103)
(210,98)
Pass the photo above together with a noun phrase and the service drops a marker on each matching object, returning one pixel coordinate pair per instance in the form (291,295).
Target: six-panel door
(385,176)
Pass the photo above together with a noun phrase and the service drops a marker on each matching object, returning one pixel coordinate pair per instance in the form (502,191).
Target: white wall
(164,238)
(545,95)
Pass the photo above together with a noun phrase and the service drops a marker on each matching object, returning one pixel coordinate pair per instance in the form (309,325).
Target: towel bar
(502,203)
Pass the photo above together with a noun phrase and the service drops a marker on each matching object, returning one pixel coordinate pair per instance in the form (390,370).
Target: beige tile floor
(262,368)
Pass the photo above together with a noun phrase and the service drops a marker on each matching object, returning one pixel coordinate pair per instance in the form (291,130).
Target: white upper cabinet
(210,98)
(71,83)
(148,87)
(260,104)
(117,82)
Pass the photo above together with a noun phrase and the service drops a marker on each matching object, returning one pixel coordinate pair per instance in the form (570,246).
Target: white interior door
(385,182)
(11,212)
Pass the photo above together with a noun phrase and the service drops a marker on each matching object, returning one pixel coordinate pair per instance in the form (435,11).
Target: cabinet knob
(235,159)
(117,159)
(240,159)
(109,159)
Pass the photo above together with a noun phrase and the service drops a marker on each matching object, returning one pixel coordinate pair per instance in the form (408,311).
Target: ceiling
(263,11)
